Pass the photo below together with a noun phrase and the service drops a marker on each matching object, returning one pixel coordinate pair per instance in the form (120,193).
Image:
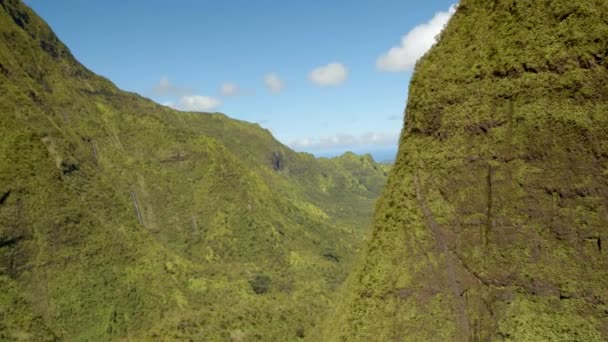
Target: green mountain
(494,219)
(124,220)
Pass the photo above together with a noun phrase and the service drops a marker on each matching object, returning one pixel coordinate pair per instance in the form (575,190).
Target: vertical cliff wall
(494,222)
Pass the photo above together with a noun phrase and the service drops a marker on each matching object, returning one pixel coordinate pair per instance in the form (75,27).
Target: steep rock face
(494,219)
(122,219)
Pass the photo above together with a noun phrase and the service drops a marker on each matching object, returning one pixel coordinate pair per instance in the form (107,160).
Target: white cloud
(332,74)
(165,87)
(197,103)
(184,98)
(164,83)
(345,141)
(229,89)
(414,44)
(273,82)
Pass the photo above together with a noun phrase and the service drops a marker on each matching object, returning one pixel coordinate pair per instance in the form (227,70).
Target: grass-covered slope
(494,221)
(123,219)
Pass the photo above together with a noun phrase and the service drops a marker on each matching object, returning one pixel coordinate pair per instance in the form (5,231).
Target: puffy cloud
(346,141)
(186,99)
(197,103)
(229,89)
(273,82)
(395,117)
(414,44)
(165,87)
(329,75)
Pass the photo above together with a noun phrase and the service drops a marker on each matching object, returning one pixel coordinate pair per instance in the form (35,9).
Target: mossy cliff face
(494,221)
(124,220)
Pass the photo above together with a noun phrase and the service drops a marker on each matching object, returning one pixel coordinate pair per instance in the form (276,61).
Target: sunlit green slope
(494,221)
(123,219)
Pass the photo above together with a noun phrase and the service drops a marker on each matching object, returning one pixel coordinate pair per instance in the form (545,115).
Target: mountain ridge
(124,219)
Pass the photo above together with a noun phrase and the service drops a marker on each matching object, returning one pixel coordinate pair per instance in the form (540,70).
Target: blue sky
(324,76)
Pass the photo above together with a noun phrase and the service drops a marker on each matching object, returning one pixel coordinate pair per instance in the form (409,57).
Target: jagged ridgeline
(123,219)
(494,222)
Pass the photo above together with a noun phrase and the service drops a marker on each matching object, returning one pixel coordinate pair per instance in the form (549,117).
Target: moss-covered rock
(492,221)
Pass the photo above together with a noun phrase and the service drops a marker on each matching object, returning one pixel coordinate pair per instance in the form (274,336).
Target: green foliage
(492,221)
(17,321)
(121,219)
(260,283)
